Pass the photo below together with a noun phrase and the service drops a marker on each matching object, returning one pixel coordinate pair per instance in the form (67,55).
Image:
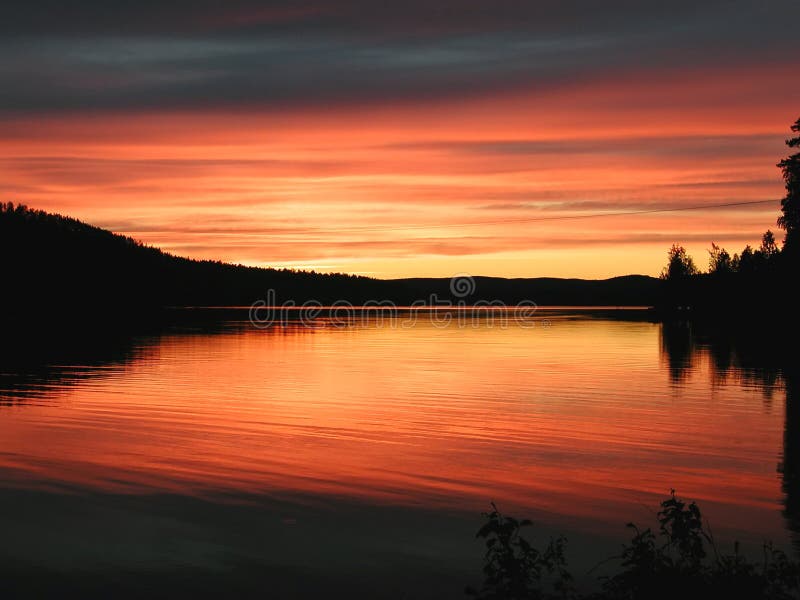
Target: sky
(420,138)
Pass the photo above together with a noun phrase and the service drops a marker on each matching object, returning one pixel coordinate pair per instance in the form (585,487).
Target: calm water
(360,458)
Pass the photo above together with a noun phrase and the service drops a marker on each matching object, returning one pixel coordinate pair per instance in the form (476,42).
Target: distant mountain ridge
(56,262)
(625,290)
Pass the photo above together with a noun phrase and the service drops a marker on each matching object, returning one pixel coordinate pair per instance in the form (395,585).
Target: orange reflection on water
(577,421)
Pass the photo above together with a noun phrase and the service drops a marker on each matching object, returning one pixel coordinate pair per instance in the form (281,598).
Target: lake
(356,458)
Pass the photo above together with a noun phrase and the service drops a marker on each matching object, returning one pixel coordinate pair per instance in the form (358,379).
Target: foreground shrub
(681,560)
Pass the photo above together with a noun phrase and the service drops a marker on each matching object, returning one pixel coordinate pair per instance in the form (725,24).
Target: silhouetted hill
(56,264)
(627,290)
(57,260)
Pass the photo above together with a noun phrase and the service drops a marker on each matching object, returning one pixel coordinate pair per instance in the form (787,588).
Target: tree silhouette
(742,276)
(790,205)
(719,261)
(746,262)
(679,265)
(769,248)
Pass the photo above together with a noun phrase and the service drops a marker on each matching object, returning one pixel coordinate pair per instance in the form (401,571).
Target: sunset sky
(418,138)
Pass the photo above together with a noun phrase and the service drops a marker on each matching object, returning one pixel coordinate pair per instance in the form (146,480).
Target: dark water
(350,461)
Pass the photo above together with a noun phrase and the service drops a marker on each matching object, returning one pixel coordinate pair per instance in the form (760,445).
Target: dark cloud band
(172,55)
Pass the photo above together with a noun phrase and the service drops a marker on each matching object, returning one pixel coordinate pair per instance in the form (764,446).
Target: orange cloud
(433,188)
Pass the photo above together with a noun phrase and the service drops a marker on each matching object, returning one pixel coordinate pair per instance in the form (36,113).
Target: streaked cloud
(402,139)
